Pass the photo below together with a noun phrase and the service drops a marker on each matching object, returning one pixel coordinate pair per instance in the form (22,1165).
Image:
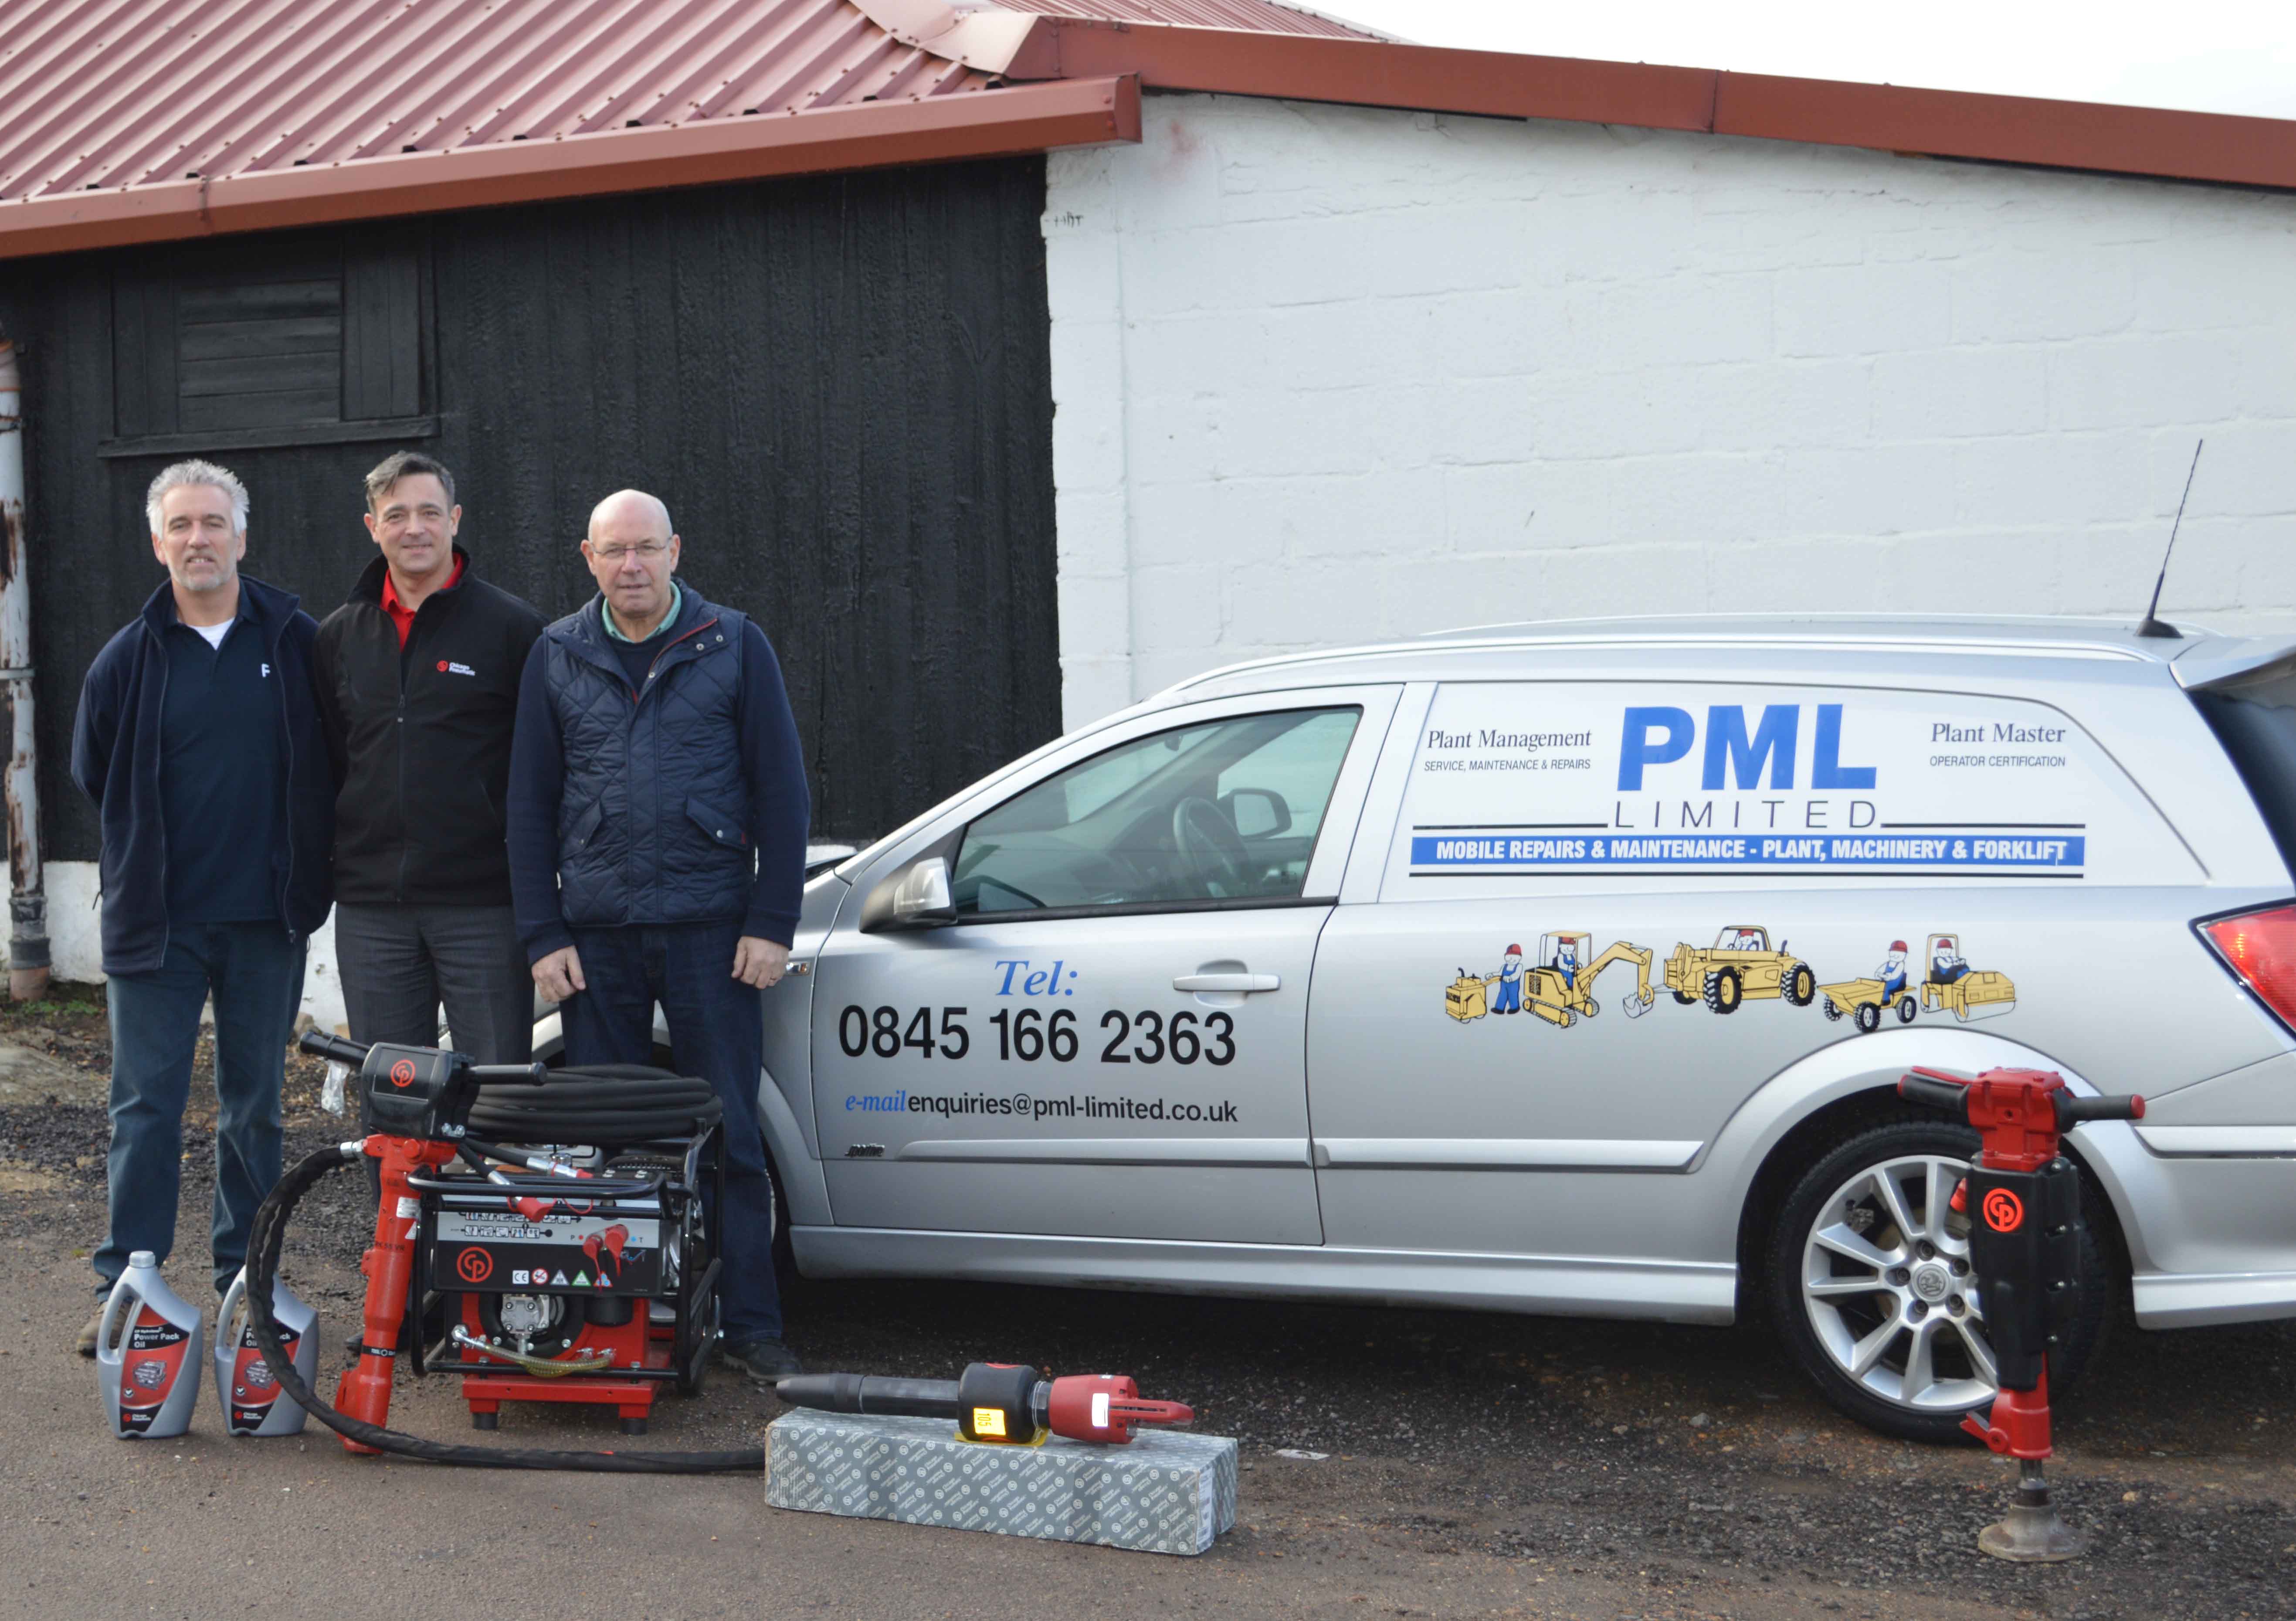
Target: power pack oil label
(149,1362)
(1520,780)
(500,1252)
(254,1386)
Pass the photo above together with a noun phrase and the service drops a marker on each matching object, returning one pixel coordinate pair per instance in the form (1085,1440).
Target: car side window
(1220,810)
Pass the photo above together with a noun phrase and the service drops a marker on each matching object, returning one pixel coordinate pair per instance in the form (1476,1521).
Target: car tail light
(2260,948)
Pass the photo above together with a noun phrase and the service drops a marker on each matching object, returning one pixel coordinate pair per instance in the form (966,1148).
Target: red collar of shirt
(403,616)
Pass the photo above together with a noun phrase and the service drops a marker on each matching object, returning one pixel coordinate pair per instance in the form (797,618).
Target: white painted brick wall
(1328,374)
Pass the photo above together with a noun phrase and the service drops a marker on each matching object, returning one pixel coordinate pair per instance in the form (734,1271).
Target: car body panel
(1602,1163)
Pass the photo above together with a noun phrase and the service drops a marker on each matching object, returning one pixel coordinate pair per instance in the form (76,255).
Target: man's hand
(559,976)
(759,963)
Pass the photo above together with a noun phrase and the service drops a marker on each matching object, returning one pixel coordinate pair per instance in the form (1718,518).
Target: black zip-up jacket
(421,740)
(116,746)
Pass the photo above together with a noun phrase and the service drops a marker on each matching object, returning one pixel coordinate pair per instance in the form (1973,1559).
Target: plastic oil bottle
(149,1380)
(253,1404)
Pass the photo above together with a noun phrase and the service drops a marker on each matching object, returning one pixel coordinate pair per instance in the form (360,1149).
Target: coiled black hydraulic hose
(262,1268)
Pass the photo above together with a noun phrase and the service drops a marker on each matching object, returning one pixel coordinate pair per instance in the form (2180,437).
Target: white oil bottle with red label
(250,1394)
(150,1378)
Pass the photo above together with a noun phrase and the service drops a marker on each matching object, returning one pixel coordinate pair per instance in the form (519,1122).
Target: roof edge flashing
(1012,45)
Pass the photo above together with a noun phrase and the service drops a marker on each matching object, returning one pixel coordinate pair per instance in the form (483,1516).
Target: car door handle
(1226,981)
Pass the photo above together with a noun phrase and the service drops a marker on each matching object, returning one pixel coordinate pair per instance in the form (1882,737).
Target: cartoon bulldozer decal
(1739,966)
(1561,989)
(1952,985)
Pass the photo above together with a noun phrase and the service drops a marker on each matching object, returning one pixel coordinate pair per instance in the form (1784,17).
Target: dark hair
(405,464)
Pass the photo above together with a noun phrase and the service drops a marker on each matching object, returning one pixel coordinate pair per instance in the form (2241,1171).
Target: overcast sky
(2213,55)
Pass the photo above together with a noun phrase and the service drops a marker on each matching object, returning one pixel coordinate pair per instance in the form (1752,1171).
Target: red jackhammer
(2025,1243)
(997,1403)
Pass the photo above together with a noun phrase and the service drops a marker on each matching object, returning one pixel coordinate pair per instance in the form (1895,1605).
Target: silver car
(1569,968)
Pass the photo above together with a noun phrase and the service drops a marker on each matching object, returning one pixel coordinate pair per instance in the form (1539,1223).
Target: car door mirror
(1258,813)
(914,897)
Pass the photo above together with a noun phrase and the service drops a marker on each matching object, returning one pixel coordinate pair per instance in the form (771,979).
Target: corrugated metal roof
(97,94)
(1254,16)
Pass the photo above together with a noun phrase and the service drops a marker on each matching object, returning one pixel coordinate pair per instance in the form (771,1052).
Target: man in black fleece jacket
(418,684)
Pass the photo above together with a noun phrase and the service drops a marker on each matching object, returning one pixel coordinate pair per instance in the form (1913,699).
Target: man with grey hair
(658,813)
(197,737)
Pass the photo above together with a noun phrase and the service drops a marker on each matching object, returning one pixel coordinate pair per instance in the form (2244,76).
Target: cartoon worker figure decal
(1945,963)
(1509,999)
(1566,961)
(1892,971)
(1953,986)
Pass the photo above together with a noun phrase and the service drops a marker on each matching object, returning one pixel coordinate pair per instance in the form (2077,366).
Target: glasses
(613,555)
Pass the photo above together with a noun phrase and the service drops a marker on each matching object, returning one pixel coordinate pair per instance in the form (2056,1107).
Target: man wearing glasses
(657,813)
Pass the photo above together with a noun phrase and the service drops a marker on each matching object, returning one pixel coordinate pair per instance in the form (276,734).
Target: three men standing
(418,685)
(658,813)
(199,739)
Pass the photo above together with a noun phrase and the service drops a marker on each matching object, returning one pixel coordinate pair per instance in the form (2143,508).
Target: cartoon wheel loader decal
(1741,966)
(1866,1000)
(1969,993)
(1559,988)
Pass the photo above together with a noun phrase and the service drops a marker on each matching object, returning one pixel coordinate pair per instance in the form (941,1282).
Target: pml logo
(1661,734)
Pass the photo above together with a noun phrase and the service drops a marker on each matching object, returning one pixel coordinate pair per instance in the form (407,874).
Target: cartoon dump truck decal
(1950,984)
(1740,965)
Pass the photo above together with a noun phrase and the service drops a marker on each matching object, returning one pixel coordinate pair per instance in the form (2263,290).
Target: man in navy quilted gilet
(657,824)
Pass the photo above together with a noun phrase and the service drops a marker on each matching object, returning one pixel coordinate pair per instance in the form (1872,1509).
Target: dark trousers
(399,963)
(716,1030)
(255,974)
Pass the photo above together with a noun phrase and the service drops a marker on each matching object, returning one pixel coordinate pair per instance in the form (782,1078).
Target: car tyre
(1724,991)
(1801,985)
(1824,1331)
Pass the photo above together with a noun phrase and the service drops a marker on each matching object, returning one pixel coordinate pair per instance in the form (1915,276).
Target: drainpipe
(27,902)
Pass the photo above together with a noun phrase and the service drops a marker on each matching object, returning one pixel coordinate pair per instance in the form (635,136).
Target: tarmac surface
(1455,1465)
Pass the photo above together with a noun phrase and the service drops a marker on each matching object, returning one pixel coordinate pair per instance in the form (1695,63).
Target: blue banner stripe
(1807,849)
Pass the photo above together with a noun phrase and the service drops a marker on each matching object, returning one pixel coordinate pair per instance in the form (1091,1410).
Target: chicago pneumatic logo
(2005,1212)
(474,1266)
(448,667)
(402,1073)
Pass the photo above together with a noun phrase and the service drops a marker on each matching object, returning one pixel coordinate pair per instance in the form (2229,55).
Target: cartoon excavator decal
(1560,987)
(1741,966)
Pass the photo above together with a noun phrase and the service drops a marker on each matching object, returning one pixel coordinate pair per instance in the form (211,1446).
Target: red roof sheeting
(112,92)
(143,120)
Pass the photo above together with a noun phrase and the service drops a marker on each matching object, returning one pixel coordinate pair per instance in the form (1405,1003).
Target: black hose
(603,1105)
(262,1269)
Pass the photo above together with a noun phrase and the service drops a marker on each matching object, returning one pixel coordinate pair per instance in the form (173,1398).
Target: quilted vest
(653,823)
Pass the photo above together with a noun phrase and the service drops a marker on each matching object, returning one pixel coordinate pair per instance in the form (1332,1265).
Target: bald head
(632,553)
(631,513)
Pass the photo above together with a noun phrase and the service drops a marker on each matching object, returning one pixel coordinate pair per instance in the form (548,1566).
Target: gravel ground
(1467,1464)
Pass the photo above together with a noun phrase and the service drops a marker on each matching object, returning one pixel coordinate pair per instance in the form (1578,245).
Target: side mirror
(915,897)
(1258,813)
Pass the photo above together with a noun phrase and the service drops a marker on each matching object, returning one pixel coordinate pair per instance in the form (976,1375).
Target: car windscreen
(2254,716)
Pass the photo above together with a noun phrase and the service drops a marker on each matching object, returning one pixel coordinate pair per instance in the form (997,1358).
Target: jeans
(255,972)
(399,963)
(716,1030)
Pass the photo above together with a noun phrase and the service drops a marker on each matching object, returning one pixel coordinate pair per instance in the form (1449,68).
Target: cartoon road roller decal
(1739,966)
(1969,993)
(1561,989)
(1866,1000)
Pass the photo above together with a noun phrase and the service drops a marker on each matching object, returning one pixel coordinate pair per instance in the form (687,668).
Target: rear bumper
(2211,1234)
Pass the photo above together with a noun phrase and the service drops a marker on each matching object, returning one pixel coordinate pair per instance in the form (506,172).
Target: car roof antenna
(2150,625)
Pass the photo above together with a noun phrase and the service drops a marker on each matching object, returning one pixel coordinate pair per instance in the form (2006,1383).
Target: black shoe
(763,1360)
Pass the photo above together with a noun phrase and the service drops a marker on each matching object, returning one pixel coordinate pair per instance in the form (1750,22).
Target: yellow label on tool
(988,1421)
